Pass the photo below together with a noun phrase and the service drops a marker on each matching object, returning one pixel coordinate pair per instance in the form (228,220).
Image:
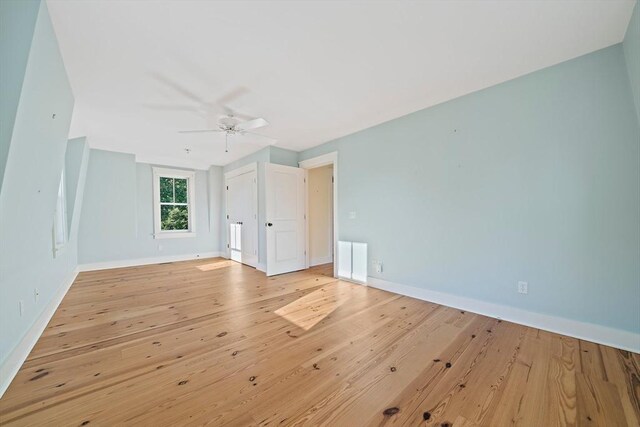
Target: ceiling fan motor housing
(228,122)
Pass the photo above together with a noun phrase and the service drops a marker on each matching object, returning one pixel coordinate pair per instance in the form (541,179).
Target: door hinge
(305,216)
(332,179)
(227,187)
(305,179)
(227,216)
(227,245)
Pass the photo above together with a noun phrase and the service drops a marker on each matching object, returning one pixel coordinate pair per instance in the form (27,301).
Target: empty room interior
(338,213)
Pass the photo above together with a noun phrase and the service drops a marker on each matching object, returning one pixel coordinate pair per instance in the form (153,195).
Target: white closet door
(242,211)
(285,204)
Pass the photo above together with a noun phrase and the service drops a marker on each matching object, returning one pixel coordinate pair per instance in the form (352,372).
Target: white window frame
(60,217)
(190,176)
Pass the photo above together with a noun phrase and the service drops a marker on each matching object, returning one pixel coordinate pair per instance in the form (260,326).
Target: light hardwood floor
(214,342)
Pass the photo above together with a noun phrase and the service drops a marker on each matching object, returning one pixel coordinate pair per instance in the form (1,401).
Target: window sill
(166,235)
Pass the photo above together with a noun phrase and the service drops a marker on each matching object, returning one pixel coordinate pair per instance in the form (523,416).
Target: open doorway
(320,214)
(322,209)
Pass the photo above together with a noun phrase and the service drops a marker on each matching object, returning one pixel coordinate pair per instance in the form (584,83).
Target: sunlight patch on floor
(216,265)
(309,310)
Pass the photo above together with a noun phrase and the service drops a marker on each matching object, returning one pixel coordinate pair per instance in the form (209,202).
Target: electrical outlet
(523,287)
(159,247)
(21,307)
(377,265)
(352,215)
(36,294)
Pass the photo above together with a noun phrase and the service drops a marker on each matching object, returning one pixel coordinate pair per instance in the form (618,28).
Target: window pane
(174,217)
(166,190)
(181,190)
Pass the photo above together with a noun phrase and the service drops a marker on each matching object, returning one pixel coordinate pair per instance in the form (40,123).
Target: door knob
(269,224)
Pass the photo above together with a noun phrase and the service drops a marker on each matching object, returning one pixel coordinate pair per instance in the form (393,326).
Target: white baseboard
(321,260)
(16,358)
(618,338)
(145,261)
(261,267)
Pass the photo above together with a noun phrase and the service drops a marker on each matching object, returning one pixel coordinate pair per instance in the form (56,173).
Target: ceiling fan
(232,126)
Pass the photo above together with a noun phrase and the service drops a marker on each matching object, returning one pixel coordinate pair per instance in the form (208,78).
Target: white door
(285,203)
(242,218)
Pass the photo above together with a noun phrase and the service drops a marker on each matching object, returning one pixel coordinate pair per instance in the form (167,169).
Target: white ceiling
(317,70)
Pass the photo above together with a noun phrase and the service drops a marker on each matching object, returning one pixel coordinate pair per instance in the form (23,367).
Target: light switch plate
(523,287)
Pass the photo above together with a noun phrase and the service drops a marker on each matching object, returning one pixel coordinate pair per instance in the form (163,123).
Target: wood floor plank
(212,342)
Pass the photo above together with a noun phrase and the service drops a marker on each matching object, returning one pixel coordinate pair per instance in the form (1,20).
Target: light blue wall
(631,46)
(117,220)
(535,179)
(35,160)
(76,161)
(17,23)
(281,156)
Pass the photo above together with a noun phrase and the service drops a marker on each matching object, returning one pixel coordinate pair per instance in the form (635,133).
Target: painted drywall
(75,168)
(631,47)
(117,220)
(281,156)
(268,154)
(320,214)
(17,23)
(536,179)
(35,161)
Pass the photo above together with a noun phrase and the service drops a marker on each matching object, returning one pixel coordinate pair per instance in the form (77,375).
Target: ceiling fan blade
(178,88)
(252,124)
(177,107)
(200,131)
(232,95)
(266,139)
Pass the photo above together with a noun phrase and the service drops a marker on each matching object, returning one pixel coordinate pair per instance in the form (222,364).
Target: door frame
(251,167)
(312,163)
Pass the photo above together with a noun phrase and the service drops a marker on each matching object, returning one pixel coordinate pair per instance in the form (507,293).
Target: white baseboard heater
(352,261)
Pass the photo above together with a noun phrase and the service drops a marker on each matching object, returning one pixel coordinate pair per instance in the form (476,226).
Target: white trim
(323,160)
(617,338)
(169,234)
(192,162)
(316,162)
(262,267)
(249,168)
(145,261)
(191,202)
(319,261)
(19,354)
(242,170)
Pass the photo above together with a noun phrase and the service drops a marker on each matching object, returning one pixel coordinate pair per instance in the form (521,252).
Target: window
(60,217)
(174,203)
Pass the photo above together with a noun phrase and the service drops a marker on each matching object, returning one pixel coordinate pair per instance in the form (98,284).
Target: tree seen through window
(174,204)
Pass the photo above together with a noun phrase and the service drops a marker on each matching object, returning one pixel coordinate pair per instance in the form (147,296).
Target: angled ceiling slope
(141,71)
